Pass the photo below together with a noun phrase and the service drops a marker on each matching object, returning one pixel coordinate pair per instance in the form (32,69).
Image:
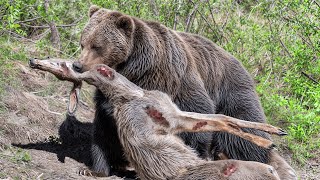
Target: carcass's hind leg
(284,170)
(180,121)
(195,122)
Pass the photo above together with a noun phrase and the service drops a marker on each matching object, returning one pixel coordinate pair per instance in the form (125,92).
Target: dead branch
(309,77)
(62,26)
(15,35)
(317,3)
(154,8)
(215,23)
(28,20)
(176,16)
(210,10)
(191,17)
(175,21)
(55,38)
(42,35)
(226,20)
(44,26)
(285,48)
(217,32)
(53,112)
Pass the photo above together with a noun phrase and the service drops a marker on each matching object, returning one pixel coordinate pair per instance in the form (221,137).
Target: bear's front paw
(88,172)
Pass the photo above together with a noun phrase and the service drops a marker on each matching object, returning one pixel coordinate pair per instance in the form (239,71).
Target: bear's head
(106,39)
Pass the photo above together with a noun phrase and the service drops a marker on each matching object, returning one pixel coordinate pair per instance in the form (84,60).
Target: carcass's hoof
(32,63)
(282,132)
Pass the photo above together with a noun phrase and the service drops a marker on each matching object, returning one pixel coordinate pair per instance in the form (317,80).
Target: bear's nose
(77,66)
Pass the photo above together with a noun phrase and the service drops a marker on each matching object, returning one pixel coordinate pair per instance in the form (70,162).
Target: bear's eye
(96,47)
(81,46)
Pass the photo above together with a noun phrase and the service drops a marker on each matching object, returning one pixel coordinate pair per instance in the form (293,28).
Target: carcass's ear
(106,72)
(126,24)
(93,9)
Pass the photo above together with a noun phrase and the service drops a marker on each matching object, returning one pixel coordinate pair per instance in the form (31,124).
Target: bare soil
(35,136)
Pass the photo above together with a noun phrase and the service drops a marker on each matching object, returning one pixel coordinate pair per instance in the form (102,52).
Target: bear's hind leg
(241,103)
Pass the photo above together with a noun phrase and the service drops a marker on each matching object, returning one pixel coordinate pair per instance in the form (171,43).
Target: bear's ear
(126,24)
(93,9)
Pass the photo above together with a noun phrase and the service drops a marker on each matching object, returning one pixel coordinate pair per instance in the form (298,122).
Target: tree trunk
(55,38)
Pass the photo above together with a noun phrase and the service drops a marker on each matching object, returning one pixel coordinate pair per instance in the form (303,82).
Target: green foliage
(21,156)
(277,41)
(6,52)
(16,155)
(13,13)
(2,175)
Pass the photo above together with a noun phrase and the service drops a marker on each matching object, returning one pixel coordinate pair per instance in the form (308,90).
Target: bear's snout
(77,66)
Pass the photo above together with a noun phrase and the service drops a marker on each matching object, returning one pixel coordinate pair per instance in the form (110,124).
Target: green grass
(2,175)
(303,126)
(15,155)
(276,51)
(21,156)
(301,123)
(11,51)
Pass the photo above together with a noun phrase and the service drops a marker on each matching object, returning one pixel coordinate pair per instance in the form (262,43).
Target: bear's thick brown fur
(198,75)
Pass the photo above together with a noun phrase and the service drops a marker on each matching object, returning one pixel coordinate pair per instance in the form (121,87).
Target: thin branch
(62,26)
(309,77)
(191,16)
(42,35)
(28,20)
(21,37)
(176,16)
(175,22)
(285,48)
(271,69)
(55,36)
(307,41)
(67,25)
(75,52)
(18,36)
(216,31)
(215,23)
(208,24)
(210,10)
(225,22)
(154,8)
(317,3)
(53,112)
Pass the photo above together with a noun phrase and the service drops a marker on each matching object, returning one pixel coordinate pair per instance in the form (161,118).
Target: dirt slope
(34,115)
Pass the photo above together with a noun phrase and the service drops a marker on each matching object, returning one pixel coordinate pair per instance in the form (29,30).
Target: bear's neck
(152,64)
(144,55)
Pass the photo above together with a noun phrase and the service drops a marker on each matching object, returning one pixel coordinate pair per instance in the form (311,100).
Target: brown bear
(198,75)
